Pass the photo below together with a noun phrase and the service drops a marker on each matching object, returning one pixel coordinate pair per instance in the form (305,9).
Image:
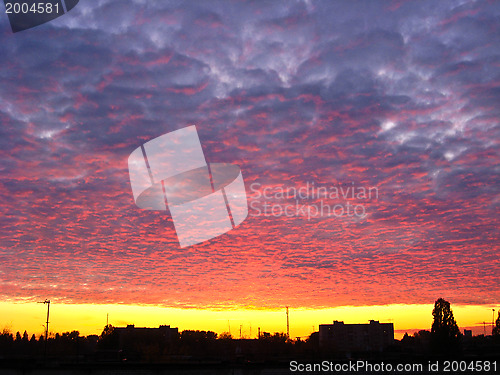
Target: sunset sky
(400,96)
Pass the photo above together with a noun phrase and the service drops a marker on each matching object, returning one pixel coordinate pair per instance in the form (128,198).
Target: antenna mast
(287,324)
(493,322)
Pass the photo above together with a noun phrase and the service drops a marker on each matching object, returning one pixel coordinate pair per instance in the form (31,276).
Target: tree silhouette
(71,336)
(107,331)
(496,329)
(225,336)
(108,338)
(445,334)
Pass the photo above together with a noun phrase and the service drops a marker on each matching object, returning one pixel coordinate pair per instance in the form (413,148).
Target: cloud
(399,96)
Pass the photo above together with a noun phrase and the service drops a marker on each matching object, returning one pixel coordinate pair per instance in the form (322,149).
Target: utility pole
(107,319)
(46,325)
(241,325)
(258,335)
(287,325)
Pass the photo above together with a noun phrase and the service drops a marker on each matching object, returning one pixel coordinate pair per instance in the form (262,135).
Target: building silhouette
(131,333)
(372,337)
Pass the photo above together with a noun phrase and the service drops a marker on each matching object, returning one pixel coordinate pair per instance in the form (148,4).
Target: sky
(397,97)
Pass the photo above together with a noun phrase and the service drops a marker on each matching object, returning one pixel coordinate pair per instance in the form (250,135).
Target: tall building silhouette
(372,337)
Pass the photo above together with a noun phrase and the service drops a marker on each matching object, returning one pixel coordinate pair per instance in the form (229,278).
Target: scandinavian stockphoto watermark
(205,199)
(312,200)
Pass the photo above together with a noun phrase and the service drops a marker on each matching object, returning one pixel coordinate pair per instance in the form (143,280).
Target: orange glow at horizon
(90,319)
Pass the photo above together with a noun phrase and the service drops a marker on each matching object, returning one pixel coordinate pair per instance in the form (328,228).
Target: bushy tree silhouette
(445,334)
(108,338)
(225,336)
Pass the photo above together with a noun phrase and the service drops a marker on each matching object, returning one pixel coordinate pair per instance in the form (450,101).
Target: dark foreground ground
(199,352)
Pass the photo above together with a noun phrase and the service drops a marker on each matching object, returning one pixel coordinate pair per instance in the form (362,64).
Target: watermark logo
(311,200)
(26,14)
(204,199)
